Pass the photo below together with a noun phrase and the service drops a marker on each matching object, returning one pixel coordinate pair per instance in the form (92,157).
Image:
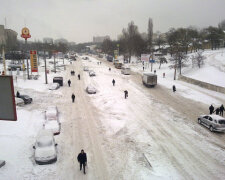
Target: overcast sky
(80,20)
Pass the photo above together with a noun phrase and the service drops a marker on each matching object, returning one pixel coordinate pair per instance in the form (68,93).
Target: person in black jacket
(78,76)
(113,82)
(17,94)
(174,88)
(221,110)
(211,109)
(125,94)
(73,97)
(217,111)
(82,159)
(69,82)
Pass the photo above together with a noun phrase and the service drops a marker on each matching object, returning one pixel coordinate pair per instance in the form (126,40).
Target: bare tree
(198,59)
(150,33)
(178,60)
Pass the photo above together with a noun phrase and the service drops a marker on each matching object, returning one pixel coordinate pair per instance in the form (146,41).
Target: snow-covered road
(151,135)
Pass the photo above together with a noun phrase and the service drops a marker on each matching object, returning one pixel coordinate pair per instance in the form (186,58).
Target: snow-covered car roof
(54,126)
(91,89)
(44,136)
(216,117)
(53,86)
(52,112)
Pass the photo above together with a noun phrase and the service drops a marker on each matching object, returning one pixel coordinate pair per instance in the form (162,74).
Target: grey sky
(80,20)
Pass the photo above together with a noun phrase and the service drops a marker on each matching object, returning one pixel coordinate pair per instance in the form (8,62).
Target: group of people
(72,72)
(218,110)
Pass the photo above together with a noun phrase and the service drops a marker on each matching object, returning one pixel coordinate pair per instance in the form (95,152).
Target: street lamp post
(46,78)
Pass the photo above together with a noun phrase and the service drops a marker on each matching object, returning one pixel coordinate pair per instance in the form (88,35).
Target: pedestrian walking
(174,88)
(126,94)
(69,82)
(109,69)
(82,159)
(73,97)
(164,75)
(211,109)
(217,111)
(18,94)
(78,76)
(154,71)
(221,110)
(113,82)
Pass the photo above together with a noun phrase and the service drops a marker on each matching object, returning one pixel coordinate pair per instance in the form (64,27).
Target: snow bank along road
(159,124)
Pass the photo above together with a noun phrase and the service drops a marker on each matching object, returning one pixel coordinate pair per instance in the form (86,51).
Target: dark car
(27,99)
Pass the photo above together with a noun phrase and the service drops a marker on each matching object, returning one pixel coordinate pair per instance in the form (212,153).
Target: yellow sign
(33,61)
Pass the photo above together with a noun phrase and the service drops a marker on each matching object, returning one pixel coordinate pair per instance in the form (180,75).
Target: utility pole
(54,63)
(46,79)
(27,59)
(3,57)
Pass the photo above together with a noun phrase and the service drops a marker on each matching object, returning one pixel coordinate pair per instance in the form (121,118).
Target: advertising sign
(145,57)
(25,33)
(33,61)
(115,54)
(7,99)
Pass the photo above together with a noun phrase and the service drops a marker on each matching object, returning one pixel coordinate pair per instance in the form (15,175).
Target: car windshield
(44,143)
(221,121)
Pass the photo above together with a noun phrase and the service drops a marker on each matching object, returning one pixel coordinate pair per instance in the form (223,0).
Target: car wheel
(199,121)
(211,128)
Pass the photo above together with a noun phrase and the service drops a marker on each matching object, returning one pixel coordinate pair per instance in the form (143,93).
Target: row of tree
(131,42)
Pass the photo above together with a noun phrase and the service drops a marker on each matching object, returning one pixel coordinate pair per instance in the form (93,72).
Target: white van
(125,70)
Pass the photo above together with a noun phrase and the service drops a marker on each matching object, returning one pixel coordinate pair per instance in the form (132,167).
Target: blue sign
(152,61)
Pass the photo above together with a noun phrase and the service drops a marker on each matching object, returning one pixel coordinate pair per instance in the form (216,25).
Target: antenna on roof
(5,22)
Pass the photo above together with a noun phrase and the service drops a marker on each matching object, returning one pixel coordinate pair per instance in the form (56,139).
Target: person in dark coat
(17,94)
(73,97)
(69,82)
(211,109)
(125,94)
(174,88)
(82,159)
(109,69)
(78,76)
(221,110)
(217,111)
(113,82)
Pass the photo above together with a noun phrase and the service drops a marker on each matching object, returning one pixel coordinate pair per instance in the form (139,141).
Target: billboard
(7,99)
(33,61)
(145,57)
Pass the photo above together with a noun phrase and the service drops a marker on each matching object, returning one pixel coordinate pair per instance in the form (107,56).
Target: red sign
(25,33)
(33,61)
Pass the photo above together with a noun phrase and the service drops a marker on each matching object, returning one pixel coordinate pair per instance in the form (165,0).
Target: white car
(86,68)
(19,101)
(54,86)
(92,73)
(45,151)
(213,122)
(53,125)
(51,113)
(91,89)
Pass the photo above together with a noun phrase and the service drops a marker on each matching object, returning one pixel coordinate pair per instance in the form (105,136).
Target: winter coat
(82,158)
(217,111)
(221,108)
(211,108)
(73,96)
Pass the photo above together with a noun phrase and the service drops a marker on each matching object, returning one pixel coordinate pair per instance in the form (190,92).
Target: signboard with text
(145,57)
(25,33)
(33,61)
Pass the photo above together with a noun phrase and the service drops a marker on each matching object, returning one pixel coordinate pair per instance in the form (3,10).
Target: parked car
(54,86)
(92,73)
(27,99)
(149,79)
(118,65)
(58,80)
(45,151)
(125,70)
(52,125)
(19,101)
(86,68)
(91,89)
(85,58)
(109,58)
(213,122)
(51,113)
